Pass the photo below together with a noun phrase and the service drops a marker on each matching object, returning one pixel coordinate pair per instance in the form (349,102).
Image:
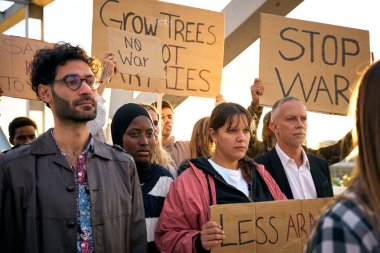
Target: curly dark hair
(44,64)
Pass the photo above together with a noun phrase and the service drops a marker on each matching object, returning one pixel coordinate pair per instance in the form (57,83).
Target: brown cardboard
(136,54)
(273,226)
(16,54)
(318,63)
(192,44)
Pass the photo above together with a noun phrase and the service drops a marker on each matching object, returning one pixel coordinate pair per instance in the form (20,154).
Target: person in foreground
(132,128)
(352,223)
(67,191)
(227,177)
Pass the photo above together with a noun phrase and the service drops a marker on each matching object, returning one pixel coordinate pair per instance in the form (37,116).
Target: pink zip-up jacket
(187,206)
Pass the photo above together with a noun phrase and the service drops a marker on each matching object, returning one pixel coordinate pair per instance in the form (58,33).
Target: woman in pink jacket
(226,177)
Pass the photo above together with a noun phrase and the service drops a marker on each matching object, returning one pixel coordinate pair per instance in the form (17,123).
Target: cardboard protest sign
(318,63)
(272,226)
(136,54)
(16,54)
(192,44)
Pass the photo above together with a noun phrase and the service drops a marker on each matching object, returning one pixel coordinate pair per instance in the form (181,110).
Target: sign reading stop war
(318,63)
(273,226)
(136,54)
(192,44)
(16,54)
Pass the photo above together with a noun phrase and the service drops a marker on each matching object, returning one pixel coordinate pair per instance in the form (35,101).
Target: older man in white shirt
(298,174)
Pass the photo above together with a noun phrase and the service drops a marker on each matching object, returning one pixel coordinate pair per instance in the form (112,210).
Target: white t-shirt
(300,180)
(232,177)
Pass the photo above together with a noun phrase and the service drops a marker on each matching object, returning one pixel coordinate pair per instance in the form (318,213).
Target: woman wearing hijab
(132,129)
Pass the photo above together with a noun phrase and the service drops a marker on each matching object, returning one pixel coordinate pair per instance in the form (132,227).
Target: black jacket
(319,169)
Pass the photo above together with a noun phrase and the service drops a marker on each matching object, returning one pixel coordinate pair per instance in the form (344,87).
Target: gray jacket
(38,203)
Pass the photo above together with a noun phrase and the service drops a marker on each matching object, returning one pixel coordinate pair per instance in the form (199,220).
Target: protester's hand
(257,90)
(109,65)
(211,235)
(219,99)
(109,69)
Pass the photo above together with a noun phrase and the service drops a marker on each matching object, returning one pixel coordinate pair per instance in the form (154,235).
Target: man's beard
(65,111)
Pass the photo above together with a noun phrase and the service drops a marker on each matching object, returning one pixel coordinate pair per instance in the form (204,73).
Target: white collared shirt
(232,177)
(300,180)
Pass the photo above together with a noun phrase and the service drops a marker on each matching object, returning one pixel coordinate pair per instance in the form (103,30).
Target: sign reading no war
(136,54)
(192,44)
(272,226)
(318,63)
(16,54)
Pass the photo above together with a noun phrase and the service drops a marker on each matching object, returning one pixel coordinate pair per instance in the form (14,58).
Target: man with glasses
(67,191)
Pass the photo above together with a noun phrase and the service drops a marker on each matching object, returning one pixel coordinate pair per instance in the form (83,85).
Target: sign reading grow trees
(318,63)
(191,46)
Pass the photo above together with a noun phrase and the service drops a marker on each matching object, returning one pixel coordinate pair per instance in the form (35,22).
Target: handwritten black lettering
(213,41)
(199,32)
(301,224)
(344,49)
(188,78)
(225,244)
(170,22)
(274,228)
(340,91)
(291,225)
(240,232)
(296,57)
(325,89)
(260,228)
(311,43)
(133,43)
(179,26)
(205,79)
(329,52)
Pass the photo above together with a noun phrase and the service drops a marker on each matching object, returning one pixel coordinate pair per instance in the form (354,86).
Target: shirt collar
(88,148)
(285,159)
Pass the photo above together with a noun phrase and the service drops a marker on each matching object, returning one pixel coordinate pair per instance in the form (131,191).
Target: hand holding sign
(257,90)
(211,235)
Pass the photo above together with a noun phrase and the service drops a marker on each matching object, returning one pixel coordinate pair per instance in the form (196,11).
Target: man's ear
(272,127)
(44,92)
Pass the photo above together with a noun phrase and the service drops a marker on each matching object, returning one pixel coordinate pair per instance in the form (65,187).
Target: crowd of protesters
(69,191)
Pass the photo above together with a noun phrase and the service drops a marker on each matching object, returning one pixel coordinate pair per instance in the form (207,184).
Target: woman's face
(156,122)
(232,142)
(138,139)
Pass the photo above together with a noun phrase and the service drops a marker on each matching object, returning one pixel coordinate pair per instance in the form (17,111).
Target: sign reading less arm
(192,44)
(318,63)
(273,226)
(16,54)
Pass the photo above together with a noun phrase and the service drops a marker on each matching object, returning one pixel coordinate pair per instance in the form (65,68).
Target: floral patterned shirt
(85,240)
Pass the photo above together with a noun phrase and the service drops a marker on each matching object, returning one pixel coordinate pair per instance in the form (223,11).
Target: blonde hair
(200,142)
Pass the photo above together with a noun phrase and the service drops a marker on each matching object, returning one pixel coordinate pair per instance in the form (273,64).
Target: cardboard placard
(136,54)
(16,54)
(318,63)
(192,44)
(272,226)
